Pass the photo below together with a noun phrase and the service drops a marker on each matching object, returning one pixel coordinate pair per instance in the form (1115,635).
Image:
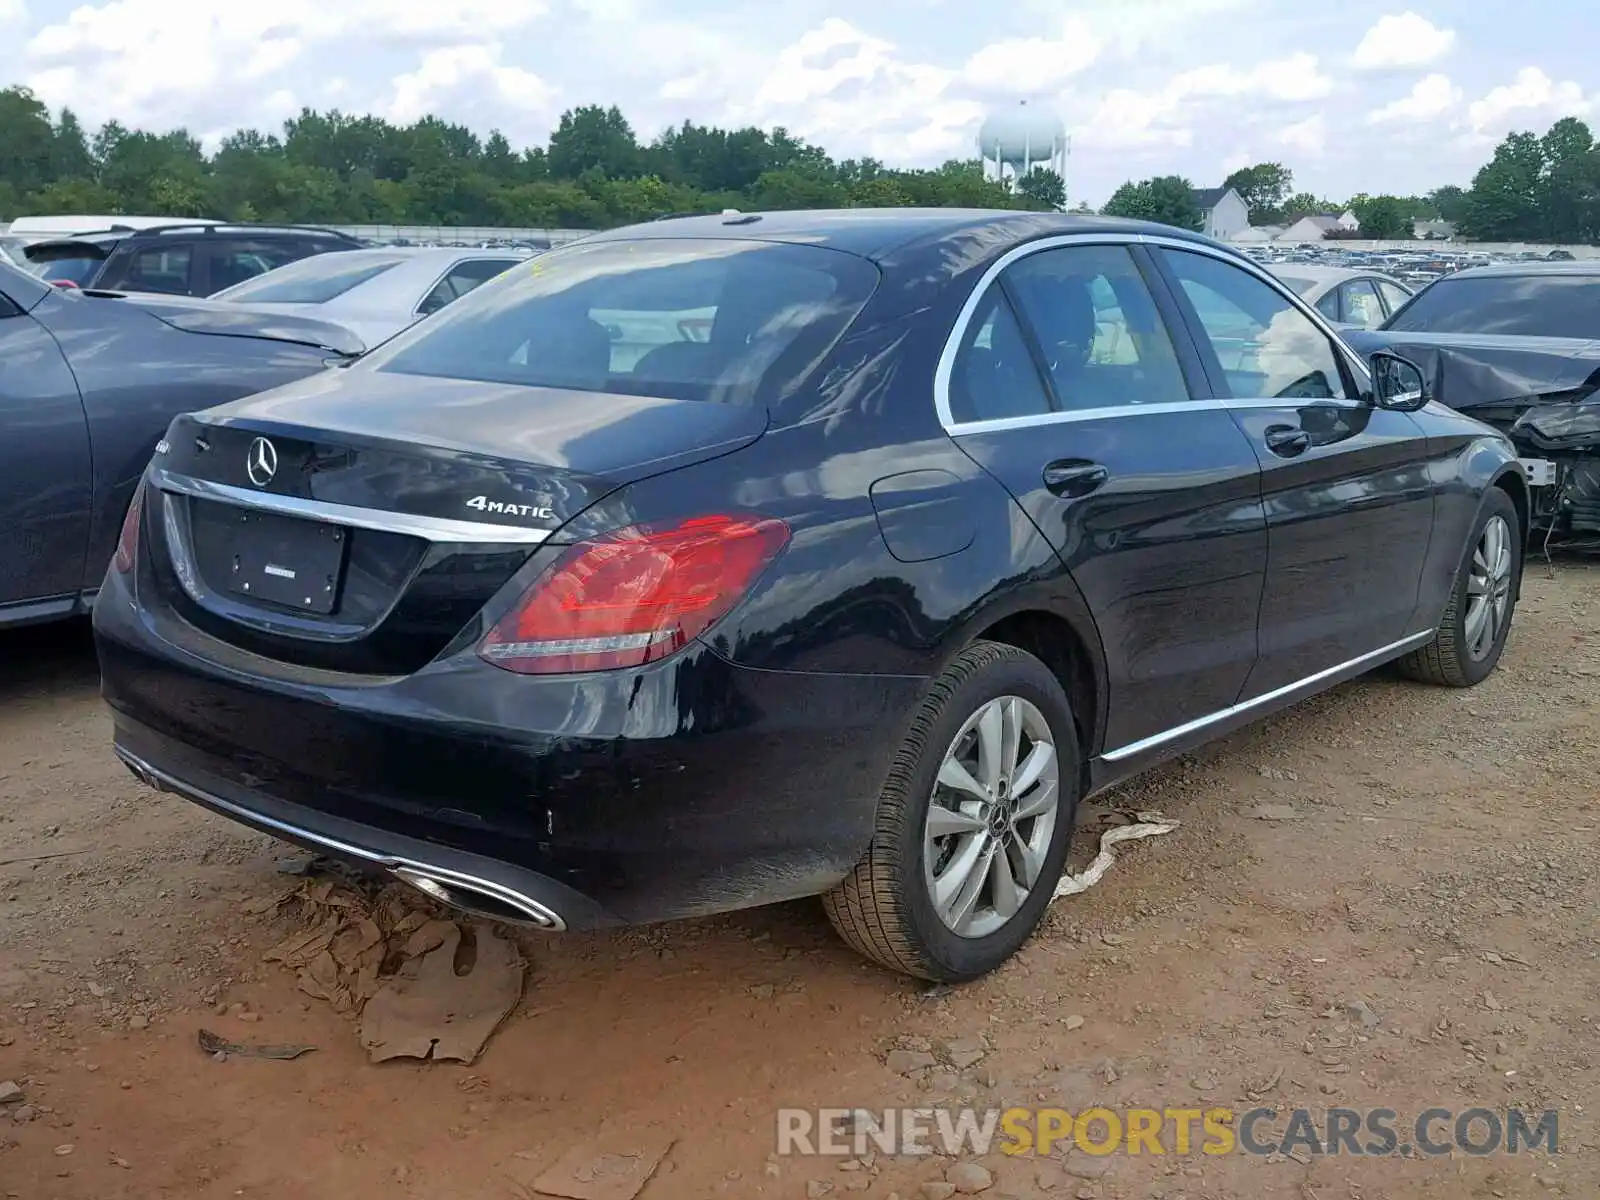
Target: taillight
(633,596)
(128,539)
(64,283)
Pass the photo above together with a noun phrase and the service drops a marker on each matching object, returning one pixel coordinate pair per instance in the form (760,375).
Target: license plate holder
(276,559)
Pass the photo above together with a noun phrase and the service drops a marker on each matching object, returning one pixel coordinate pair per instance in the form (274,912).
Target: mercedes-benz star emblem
(261,464)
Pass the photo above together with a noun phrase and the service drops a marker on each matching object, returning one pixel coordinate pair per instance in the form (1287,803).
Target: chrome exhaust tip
(480,897)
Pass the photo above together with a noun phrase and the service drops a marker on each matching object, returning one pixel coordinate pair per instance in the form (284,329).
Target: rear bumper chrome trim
(406,869)
(433,529)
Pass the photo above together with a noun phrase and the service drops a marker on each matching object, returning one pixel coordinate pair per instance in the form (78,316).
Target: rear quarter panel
(135,374)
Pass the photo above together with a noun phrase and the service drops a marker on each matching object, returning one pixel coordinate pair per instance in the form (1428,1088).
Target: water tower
(1015,139)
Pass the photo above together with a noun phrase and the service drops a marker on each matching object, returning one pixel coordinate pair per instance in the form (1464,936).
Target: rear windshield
(738,322)
(314,280)
(1300,285)
(1514,305)
(75,264)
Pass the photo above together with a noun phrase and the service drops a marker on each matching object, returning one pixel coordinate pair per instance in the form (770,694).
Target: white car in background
(1348,296)
(373,293)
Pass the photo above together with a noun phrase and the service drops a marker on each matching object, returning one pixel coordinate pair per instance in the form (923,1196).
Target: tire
(1459,656)
(885,908)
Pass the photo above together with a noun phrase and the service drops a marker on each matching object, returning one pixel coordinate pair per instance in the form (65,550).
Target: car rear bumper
(688,787)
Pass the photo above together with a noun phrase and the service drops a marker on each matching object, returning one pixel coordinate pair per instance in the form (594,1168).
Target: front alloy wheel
(1472,633)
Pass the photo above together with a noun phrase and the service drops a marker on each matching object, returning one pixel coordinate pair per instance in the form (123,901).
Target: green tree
(1263,188)
(594,138)
(27,140)
(1168,199)
(1448,203)
(1043,188)
(1383,217)
(1503,203)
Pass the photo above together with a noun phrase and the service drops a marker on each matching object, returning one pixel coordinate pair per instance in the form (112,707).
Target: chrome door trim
(952,343)
(432,529)
(1244,707)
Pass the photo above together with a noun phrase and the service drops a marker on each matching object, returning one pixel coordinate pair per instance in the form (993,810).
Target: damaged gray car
(1518,347)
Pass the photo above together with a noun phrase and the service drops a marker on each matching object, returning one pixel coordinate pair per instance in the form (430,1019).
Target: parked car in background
(87,387)
(375,293)
(1517,345)
(1349,297)
(911,530)
(182,259)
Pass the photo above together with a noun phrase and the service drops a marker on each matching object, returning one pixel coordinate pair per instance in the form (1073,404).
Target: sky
(1354,96)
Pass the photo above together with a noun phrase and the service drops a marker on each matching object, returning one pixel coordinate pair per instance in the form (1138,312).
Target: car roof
(876,232)
(1579,266)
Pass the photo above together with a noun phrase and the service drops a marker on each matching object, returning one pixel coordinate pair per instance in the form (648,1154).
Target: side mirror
(1398,383)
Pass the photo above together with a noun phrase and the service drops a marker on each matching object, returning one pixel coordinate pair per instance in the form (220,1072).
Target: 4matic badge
(484,504)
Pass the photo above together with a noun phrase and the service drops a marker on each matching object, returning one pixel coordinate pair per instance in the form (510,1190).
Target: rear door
(1349,501)
(1068,386)
(45,470)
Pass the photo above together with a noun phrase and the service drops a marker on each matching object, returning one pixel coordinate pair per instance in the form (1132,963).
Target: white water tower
(1015,139)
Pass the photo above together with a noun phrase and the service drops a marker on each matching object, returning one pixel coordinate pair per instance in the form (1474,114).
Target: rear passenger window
(158,269)
(1104,343)
(1266,347)
(994,374)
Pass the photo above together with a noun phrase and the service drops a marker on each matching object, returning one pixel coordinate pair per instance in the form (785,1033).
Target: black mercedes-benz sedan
(731,559)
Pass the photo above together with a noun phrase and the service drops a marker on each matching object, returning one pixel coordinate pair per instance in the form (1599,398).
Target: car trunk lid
(358,520)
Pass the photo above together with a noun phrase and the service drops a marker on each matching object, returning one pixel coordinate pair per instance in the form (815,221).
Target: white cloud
(271,56)
(469,83)
(1033,65)
(1168,117)
(1430,97)
(1308,137)
(12,12)
(1532,92)
(1406,40)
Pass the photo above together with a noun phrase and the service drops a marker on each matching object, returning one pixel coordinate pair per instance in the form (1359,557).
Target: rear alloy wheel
(973,824)
(1472,634)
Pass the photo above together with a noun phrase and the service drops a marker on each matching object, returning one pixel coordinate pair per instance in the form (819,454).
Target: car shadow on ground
(55,661)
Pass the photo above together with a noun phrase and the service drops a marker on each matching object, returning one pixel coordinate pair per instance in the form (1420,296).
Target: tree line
(1534,189)
(594,171)
(335,168)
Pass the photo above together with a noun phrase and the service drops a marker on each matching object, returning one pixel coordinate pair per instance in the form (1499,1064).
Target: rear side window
(1512,305)
(994,375)
(314,280)
(732,321)
(162,268)
(1103,341)
(1361,304)
(1328,305)
(463,278)
(234,262)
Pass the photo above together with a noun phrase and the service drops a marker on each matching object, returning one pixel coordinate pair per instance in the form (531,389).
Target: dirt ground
(1438,865)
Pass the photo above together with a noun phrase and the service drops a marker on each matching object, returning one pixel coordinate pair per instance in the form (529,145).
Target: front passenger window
(994,374)
(1265,345)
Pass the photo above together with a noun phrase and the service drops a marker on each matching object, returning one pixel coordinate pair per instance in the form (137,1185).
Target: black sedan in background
(732,559)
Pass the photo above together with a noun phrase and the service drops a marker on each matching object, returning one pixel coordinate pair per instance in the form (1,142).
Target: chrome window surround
(952,345)
(432,529)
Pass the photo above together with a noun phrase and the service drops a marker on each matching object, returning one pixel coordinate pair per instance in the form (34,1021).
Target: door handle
(1286,441)
(1070,477)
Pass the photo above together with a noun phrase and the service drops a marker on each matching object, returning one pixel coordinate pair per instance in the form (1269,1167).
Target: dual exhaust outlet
(472,894)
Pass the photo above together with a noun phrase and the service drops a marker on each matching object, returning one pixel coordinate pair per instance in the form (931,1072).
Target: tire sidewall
(1497,504)
(1028,678)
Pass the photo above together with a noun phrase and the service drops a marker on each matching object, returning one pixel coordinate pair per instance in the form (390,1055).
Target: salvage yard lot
(1429,853)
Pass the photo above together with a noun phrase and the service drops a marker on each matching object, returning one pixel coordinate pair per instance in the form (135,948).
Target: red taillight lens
(128,539)
(633,596)
(64,283)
